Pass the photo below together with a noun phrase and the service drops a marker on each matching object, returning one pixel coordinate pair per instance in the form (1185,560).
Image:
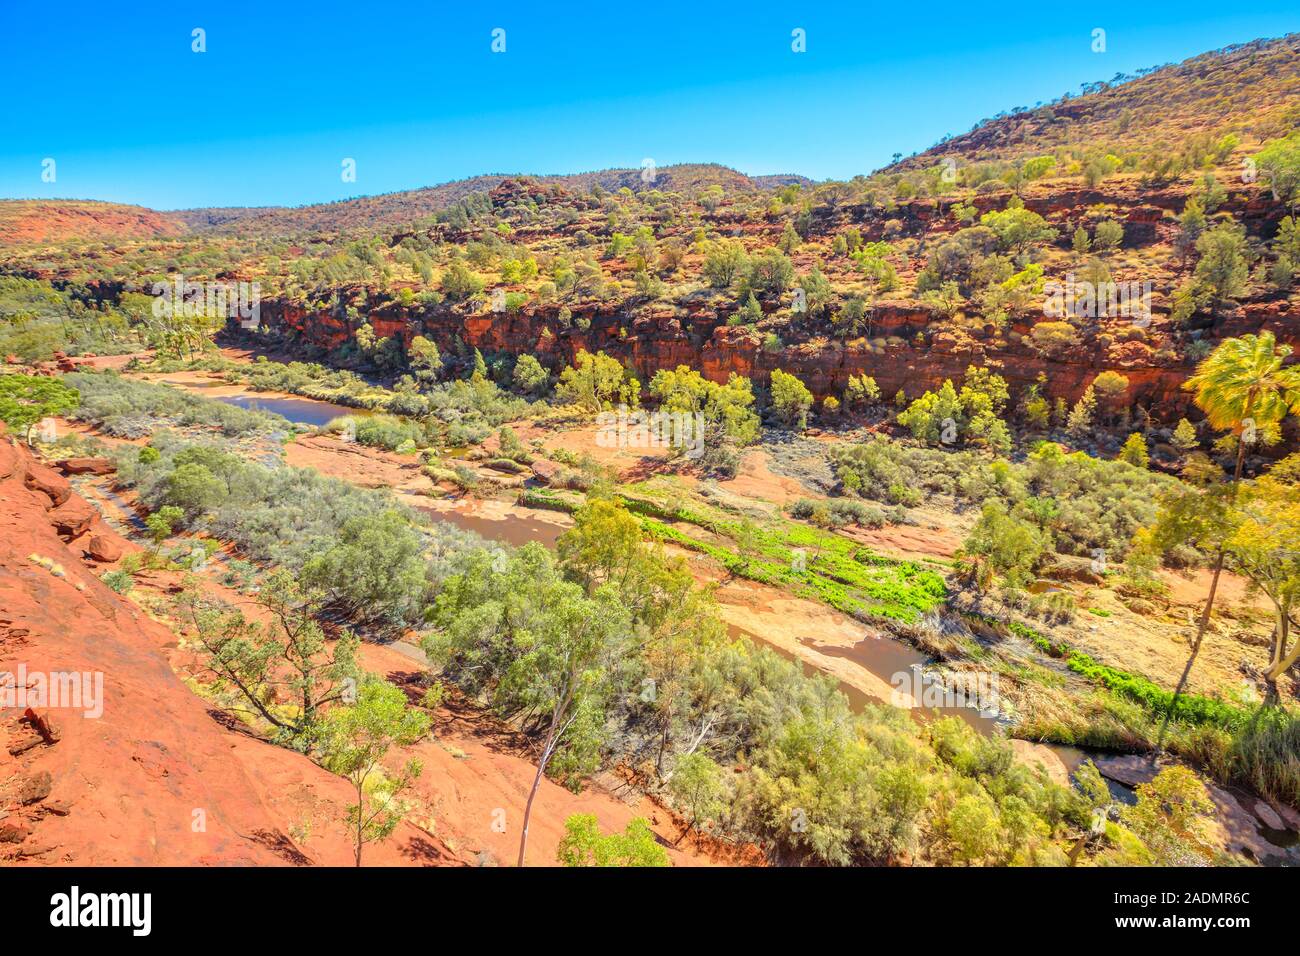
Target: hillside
(1251,90)
(34,221)
(180,788)
(27,222)
(402,208)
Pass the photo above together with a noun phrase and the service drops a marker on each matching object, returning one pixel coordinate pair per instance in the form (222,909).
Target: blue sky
(413,93)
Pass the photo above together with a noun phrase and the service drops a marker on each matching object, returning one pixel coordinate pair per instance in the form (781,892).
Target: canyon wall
(910,347)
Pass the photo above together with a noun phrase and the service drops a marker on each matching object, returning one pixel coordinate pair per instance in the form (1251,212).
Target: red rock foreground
(155,779)
(154,776)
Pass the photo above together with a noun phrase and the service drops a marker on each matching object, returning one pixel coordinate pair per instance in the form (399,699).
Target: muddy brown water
(886,658)
(515,531)
(891,661)
(882,656)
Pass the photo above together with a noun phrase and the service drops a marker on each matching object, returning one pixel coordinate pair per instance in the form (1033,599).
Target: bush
(194,489)
(128,408)
(791,400)
(1011,547)
(839,512)
(373,570)
(1085,503)
(119,581)
(290,517)
(380,431)
(529,377)
(598,382)
(584,845)
(1265,755)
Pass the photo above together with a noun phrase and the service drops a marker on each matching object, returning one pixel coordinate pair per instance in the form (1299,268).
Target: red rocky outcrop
(49,482)
(103,548)
(86,466)
(898,359)
(73,518)
(121,785)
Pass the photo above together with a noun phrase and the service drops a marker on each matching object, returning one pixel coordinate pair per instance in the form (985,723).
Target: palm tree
(1242,387)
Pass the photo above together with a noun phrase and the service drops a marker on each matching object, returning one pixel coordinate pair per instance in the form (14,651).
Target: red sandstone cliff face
(914,348)
(154,779)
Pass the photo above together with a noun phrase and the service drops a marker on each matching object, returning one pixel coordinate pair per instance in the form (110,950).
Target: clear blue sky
(413,93)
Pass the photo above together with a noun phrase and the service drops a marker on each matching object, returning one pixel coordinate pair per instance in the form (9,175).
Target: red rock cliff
(913,349)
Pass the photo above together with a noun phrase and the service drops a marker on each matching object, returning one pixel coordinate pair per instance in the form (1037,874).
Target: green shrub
(119,581)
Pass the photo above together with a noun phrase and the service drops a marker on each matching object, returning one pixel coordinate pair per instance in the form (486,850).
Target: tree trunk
(360,809)
(1281,659)
(1196,649)
(1077,849)
(1202,624)
(663,743)
(537,782)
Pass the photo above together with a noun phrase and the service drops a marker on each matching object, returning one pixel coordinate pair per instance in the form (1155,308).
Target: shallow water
(302,411)
(894,662)
(514,531)
(884,657)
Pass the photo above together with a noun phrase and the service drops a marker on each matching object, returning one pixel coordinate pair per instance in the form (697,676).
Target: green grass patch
(846,577)
(1193,709)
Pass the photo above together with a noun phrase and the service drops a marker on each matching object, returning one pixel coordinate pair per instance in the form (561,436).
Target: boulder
(23,740)
(43,724)
(14,831)
(1079,570)
(11,463)
(34,789)
(73,518)
(86,466)
(48,481)
(103,547)
(545,470)
(1269,816)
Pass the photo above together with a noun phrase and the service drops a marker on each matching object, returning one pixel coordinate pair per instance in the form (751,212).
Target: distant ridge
(37,221)
(1251,89)
(400,208)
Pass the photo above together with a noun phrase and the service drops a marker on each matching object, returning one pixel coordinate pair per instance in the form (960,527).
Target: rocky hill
(1250,90)
(36,222)
(41,222)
